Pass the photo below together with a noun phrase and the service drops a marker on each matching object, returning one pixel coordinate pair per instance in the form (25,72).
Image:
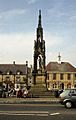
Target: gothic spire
(39,22)
(39,29)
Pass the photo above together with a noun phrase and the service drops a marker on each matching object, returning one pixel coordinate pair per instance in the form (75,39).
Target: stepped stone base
(40,91)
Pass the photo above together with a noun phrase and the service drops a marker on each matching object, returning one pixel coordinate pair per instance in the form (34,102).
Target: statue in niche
(40,62)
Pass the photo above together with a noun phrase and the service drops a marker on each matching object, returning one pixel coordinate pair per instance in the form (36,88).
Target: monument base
(39,90)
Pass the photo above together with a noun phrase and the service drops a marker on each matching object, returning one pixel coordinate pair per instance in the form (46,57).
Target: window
(61,76)
(54,85)
(69,76)
(73,92)
(54,76)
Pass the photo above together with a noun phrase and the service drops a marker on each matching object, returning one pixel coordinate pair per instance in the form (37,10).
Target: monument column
(39,72)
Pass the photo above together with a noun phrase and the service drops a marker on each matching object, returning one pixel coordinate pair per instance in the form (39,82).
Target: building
(14,75)
(60,75)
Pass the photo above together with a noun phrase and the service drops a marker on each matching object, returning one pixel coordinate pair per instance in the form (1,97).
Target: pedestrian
(19,94)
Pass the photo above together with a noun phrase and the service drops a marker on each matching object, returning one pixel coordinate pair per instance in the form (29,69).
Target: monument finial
(39,22)
(39,12)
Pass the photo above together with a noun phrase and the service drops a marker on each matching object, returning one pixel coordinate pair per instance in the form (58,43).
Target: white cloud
(32,1)
(11,13)
(56,44)
(70,54)
(20,47)
(53,40)
(17,47)
(73,18)
(58,12)
(17,12)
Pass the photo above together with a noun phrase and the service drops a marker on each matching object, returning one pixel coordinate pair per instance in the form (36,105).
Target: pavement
(28,100)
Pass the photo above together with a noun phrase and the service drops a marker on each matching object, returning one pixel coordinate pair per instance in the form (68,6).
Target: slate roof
(13,68)
(60,67)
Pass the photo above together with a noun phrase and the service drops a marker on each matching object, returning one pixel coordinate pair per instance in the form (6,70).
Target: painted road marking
(37,113)
(54,113)
(22,112)
(42,114)
(28,113)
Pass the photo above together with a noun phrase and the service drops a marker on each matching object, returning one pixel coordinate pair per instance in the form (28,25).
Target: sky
(18,24)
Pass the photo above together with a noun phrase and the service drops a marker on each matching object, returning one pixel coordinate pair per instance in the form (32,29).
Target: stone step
(40,96)
(43,94)
(39,90)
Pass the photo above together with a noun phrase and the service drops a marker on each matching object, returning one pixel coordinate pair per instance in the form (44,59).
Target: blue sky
(18,23)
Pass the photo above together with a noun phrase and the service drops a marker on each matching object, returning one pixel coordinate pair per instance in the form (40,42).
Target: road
(36,112)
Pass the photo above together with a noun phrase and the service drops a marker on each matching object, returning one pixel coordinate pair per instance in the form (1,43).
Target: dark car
(68,98)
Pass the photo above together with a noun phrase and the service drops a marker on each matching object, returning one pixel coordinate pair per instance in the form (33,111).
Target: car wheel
(68,104)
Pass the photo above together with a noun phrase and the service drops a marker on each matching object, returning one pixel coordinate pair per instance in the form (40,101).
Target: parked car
(68,98)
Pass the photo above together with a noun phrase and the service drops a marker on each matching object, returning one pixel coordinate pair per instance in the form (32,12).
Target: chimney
(27,63)
(14,62)
(59,58)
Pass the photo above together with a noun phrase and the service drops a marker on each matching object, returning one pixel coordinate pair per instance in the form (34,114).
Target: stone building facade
(60,75)
(14,75)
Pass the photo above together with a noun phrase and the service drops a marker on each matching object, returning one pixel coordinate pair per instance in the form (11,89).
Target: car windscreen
(66,92)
